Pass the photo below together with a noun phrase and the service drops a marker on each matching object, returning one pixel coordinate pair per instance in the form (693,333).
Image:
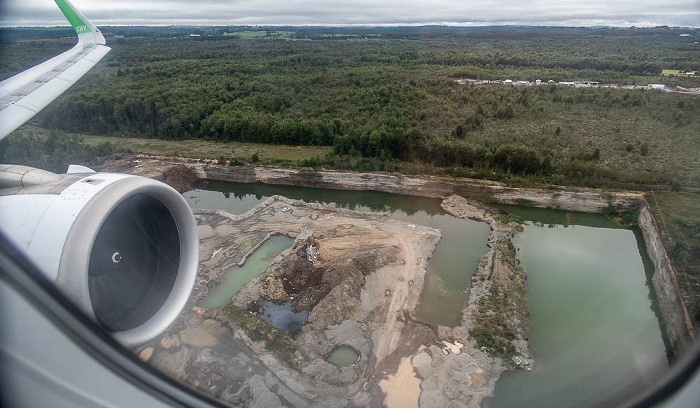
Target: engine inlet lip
(73,269)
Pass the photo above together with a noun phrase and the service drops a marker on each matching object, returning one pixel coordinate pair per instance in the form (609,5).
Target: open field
(212,150)
(194,148)
(669,72)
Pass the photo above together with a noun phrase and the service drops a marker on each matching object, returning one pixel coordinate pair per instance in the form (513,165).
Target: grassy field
(618,133)
(678,215)
(274,154)
(669,72)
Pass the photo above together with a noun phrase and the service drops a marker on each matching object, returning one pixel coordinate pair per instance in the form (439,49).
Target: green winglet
(73,18)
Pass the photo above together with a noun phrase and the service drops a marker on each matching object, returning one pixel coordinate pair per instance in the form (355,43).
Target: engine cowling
(124,248)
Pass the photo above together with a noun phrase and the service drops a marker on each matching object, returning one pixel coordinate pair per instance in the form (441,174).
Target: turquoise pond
(236,277)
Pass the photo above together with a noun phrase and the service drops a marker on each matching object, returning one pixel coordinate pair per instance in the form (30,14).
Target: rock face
(425,186)
(677,323)
(454,380)
(180,177)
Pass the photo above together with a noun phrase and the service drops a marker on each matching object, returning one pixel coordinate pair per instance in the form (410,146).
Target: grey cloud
(369,12)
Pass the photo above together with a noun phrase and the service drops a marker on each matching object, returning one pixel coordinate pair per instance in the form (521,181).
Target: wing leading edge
(25,94)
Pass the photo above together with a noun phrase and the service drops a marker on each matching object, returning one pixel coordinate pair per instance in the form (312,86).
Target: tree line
(390,96)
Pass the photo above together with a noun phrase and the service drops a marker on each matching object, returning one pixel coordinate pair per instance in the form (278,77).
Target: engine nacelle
(124,248)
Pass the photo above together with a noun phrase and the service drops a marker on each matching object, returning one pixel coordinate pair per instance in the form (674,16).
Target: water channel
(594,332)
(236,277)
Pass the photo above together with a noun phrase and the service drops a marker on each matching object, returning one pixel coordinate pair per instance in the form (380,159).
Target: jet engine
(124,248)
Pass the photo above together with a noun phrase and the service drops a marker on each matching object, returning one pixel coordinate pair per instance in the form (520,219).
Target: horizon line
(369,25)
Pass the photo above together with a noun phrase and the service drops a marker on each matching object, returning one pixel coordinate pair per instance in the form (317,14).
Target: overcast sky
(361,12)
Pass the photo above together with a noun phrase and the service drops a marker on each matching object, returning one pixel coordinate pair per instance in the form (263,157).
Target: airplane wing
(57,317)
(52,218)
(25,94)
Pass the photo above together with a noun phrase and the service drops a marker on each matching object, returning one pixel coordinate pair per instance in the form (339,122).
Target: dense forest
(387,99)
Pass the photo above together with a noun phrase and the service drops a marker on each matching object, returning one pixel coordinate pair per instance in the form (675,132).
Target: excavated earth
(360,276)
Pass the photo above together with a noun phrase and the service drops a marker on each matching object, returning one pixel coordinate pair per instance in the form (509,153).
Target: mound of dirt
(180,177)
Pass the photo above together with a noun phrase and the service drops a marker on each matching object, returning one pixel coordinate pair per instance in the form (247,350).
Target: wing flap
(22,104)
(26,93)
